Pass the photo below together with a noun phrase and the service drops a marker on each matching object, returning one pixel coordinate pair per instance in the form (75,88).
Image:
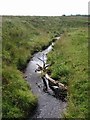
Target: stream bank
(48,105)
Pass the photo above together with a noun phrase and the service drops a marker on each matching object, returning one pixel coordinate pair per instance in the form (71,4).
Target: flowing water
(48,105)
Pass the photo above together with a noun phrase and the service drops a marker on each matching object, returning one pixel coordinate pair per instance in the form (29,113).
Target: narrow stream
(48,105)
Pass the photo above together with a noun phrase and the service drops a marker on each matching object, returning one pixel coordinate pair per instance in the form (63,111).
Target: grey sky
(43,7)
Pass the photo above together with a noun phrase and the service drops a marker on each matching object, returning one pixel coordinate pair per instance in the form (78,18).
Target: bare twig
(43,69)
(55,82)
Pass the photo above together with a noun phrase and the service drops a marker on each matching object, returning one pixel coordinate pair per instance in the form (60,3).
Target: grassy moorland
(20,40)
(22,37)
(70,66)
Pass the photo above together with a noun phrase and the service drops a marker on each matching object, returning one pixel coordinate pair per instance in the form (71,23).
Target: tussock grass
(20,41)
(70,66)
(22,37)
(18,100)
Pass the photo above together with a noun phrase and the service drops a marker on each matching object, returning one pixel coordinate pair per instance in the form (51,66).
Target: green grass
(70,66)
(22,37)
(18,101)
(20,41)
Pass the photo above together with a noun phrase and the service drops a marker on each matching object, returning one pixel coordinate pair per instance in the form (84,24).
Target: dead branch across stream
(57,83)
(45,75)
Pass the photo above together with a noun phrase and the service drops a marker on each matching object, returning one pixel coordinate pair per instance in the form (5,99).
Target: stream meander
(48,105)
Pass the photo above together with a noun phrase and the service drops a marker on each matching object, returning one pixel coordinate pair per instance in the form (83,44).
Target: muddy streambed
(48,105)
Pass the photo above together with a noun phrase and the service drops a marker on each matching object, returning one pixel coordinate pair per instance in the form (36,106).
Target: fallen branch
(43,68)
(41,59)
(55,82)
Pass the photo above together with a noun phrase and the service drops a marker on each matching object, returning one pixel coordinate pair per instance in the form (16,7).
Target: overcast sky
(43,7)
